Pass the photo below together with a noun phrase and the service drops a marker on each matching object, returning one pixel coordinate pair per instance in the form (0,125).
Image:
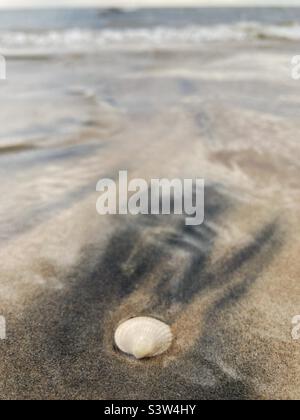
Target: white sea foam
(89,40)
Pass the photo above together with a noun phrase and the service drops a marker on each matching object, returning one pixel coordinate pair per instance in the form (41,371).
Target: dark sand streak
(71,332)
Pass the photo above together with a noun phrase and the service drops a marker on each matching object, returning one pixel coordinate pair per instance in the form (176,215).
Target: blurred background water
(92,28)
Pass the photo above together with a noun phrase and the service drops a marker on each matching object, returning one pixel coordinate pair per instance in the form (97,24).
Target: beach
(165,98)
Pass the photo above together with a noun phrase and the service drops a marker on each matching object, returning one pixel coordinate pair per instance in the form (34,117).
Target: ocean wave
(80,39)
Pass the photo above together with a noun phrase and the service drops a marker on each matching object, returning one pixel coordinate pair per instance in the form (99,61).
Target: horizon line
(164,6)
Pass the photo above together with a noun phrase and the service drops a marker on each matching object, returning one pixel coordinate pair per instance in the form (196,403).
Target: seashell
(143,337)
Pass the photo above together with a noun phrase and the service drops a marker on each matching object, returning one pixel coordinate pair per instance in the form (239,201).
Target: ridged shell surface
(143,337)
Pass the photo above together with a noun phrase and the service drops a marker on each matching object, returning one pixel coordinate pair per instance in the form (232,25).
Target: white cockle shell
(143,337)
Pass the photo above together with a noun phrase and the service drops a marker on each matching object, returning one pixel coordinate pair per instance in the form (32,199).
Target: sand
(229,289)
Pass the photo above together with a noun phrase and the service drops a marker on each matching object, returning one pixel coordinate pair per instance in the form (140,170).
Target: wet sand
(228,113)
